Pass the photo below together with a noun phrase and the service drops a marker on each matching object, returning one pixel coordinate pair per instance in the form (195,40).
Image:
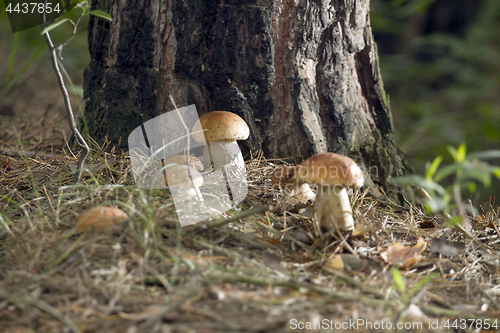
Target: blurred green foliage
(465,173)
(29,52)
(440,61)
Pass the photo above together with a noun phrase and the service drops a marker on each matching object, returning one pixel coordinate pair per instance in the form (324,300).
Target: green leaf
(446,171)
(496,171)
(470,185)
(461,152)
(454,220)
(82,4)
(421,283)
(486,154)
(398,280)
(476,170)
(55,25)
(11,59)
(431,170)
(453,152)
(419,181)
(436,204)
(101,14)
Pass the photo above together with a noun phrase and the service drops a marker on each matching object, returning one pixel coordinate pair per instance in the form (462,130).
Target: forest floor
(258,268)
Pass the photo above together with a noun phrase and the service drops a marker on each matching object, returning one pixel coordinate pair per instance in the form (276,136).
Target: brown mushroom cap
(285,175)
(220,126)
(181,160)
(100,218)
(179,175)
(330,169)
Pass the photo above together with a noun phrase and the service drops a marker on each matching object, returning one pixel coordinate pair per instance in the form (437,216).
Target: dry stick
(353,282)
(229,253)
(254,211)
(67,103)
(41,305)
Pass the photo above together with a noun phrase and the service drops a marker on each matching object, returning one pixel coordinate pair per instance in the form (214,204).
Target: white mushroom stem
(186,191)
(300,191)
(222,154)
(332,208)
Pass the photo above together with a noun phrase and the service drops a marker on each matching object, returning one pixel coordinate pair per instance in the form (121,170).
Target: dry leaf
(404,256)
(336,262)
(426,224)
(348,262)
(360,232)
(100,218)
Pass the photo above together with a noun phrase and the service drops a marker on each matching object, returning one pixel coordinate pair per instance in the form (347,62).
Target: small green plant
(464,173)
(408,293)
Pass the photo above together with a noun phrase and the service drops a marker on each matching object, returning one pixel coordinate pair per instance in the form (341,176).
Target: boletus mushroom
(185,181)
(333,174)
(220,130)
(182,160)
(285,177)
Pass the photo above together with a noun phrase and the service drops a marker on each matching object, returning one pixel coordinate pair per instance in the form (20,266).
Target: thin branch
(67,103)
(60,46)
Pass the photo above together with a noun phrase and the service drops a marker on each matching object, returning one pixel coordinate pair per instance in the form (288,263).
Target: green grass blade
(11,59)
(9,86)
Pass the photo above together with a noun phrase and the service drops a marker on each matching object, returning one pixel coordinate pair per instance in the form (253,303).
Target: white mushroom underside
(332,208)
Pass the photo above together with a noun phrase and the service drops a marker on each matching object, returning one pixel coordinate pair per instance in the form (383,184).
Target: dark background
(440,61)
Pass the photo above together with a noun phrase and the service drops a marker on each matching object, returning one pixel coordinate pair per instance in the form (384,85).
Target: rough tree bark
(303,73)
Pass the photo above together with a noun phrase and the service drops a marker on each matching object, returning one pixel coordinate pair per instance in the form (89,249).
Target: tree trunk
(302,73)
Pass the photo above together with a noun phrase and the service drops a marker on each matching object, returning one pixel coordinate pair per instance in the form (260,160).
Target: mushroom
(285,177)
(182,160)
(184,180)
(221,129)
(332,173)
(100,218)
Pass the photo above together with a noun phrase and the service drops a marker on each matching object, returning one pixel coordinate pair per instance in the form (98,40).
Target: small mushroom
(285,177)
(184,180)
(221,129)
(100,218)
(332,173)
(182,160)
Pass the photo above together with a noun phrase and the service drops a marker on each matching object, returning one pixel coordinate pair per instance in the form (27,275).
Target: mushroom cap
(100,218)
(178,175)
(181,160)
(220,126)
(285,175)
(330,169)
